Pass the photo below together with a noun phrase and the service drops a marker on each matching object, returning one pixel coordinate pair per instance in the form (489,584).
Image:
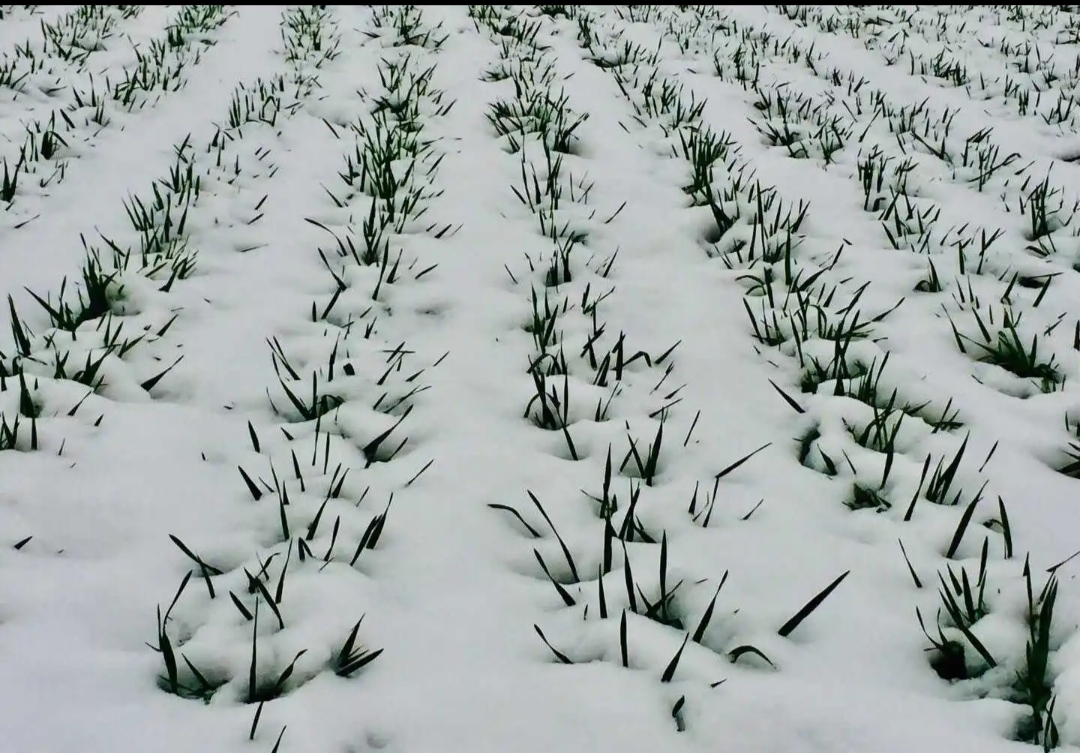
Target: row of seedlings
(974,159)
(586,381)
(911,221)
(966,641)
(1024,73)
(89,353)
(752,229)
(671,610)
(994,302)
(1032,80)
(873,174)
(93,349)
(37,71)
(38,65)
(80,110)
(341,395)
(820,126)
(239,161)
(877,28)
(993,276)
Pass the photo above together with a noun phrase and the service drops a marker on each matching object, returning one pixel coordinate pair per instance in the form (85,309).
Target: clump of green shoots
(1009,351)
(1034,683)
(964,605)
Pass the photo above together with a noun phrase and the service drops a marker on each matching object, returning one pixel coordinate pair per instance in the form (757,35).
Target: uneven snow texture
(532,378)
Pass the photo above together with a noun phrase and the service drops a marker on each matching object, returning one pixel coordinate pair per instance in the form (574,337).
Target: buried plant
(963,602)
(1034,683)
(190,681)
(1008,351)
(1071,467)
(352,657)
(96,303)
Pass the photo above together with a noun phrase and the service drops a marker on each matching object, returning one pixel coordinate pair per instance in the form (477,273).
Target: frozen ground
(535,378)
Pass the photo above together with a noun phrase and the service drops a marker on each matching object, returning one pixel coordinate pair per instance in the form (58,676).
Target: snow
(189,488)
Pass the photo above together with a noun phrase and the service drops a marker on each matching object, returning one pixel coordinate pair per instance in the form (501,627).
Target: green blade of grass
(788,627)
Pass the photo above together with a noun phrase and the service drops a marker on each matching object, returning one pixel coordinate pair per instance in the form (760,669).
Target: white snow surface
(176,496)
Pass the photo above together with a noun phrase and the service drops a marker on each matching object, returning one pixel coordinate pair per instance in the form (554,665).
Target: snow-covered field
(539,378)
